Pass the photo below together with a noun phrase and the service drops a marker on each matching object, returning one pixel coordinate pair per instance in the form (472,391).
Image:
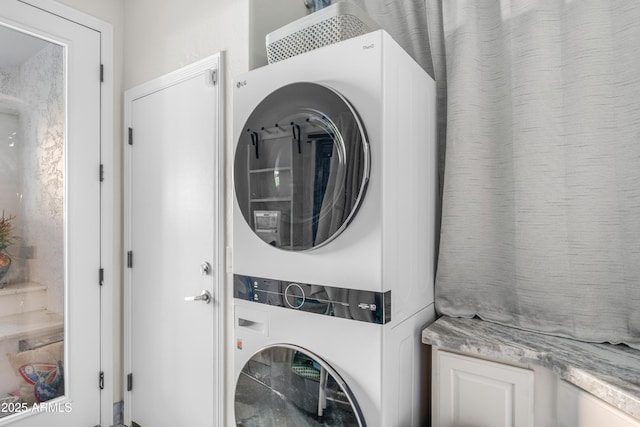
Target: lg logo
(241,84)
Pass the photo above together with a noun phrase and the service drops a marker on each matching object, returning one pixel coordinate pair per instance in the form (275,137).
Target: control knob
(294,295)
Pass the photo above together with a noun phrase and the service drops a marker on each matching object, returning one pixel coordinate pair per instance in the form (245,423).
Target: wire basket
(338,22)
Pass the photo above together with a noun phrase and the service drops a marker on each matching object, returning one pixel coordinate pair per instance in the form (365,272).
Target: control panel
(354,304)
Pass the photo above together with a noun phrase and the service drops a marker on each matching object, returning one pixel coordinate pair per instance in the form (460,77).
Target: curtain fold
(541,198)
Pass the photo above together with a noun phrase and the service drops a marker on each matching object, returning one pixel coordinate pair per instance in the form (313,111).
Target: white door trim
(214,62)
(111,272)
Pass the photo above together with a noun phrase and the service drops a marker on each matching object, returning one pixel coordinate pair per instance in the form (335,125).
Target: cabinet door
(579,408)
(471,392)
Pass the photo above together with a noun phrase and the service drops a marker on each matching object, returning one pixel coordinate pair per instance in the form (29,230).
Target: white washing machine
(335,175)
(303,369)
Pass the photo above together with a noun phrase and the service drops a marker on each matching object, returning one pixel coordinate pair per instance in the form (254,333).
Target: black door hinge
(129,382)
(101,381)
(101,73)
(130,259)
(101,172)
(130,136)
(101,276)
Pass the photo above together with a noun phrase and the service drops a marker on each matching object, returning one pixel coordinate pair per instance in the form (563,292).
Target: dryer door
(301,166)
(284,385)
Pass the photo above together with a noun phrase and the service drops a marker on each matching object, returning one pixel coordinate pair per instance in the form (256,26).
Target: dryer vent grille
(340,21)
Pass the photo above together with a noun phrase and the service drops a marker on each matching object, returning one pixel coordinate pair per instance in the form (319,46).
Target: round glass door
(284,385)
(301,166)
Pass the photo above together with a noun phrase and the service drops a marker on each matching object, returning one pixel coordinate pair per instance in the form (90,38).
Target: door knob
(204,296)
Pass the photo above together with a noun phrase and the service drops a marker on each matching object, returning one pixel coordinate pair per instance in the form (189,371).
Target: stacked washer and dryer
(334,222)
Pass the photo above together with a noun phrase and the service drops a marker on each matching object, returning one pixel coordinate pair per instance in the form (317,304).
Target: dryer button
(294,295)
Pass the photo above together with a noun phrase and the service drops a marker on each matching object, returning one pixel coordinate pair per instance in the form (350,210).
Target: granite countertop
(610,372)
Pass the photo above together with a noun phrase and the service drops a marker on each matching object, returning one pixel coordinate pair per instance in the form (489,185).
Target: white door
(50,317)
(172,233)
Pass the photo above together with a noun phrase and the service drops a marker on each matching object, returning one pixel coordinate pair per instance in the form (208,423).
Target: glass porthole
(284,385)
(301,166)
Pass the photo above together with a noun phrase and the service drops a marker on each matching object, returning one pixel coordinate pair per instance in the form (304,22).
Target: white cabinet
(471,392)
(576,407)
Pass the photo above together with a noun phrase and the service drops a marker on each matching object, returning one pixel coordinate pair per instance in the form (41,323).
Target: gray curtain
(541,207)
(541,190)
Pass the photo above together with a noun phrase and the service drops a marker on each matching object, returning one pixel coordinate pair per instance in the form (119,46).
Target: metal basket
(340,21)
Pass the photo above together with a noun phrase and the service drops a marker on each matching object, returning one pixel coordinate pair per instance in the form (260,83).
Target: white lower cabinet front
(576,407)
(471,392)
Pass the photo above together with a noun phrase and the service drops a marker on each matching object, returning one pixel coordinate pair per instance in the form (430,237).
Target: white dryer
(335,177)
(335,171)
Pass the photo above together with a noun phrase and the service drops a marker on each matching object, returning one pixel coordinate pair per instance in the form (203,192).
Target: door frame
(212,62)
(107,200)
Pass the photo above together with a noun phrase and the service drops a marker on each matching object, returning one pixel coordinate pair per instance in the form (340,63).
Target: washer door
(301,166)
(284,385)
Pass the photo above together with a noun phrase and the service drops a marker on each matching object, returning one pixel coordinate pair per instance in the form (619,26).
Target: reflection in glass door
(285,385)
(32,220)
